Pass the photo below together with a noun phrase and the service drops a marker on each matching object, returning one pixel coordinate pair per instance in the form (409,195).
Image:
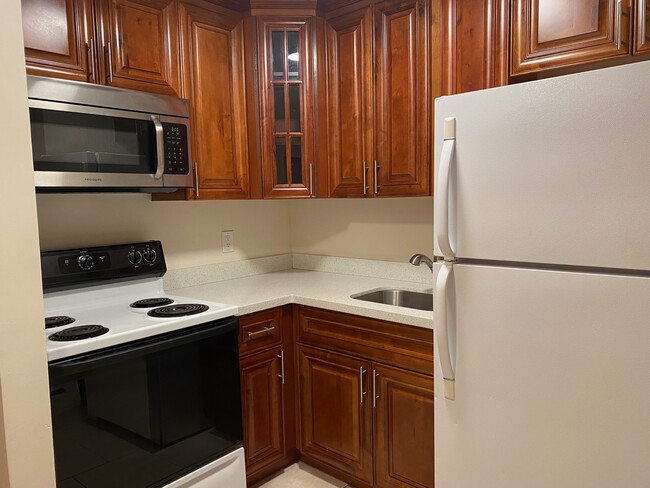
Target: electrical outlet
(228,240)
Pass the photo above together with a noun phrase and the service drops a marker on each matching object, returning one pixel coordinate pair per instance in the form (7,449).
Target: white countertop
(320,289)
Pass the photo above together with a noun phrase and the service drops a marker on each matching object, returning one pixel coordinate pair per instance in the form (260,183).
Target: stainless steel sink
(398,298)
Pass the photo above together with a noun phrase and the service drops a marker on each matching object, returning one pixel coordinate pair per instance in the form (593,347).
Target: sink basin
(398,298)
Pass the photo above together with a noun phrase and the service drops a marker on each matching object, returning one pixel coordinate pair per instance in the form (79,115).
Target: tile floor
(300,475)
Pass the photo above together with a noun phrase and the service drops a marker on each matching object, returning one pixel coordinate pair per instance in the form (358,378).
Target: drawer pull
(281,375)
(361,389)
(261,331)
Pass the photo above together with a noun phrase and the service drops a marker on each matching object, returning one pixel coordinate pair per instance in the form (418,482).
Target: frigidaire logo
(93,179)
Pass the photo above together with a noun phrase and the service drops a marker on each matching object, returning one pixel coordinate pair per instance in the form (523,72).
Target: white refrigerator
(542,283)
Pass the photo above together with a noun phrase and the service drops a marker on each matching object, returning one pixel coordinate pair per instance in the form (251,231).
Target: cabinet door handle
(361,392)
(281,375)
(643,19)
(109,56)
(376,177)
(375,397)
(365,179)
(261,331)
(311,180)
(91,49)
(619,17)
(196,179)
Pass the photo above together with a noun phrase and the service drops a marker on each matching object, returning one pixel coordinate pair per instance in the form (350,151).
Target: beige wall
(26,459)
(391,229)
(190,231)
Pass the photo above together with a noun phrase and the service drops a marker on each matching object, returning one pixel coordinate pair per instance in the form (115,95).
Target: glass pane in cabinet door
(296,160)
(277,54)
(278,102)
(293,56)
(294,108)
(281,160)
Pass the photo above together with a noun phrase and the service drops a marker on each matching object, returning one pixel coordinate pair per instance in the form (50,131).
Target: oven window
(76,142)
(146,420)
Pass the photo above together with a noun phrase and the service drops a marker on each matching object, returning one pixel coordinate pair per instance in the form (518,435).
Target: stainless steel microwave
(96,138)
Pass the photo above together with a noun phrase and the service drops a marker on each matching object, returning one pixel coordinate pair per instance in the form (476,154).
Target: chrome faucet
(418,259)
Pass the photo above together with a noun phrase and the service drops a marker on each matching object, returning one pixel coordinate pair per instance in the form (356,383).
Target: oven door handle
(160,146)
(113,355)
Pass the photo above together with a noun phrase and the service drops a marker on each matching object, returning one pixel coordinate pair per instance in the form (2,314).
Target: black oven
(145,413)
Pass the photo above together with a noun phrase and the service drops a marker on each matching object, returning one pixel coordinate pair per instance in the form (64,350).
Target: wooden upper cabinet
(140,44)
(349,74)
(403,428)
(336,411)
(58,36)
(550,34)
(402,111)
(642,27)
(286,72)
(214,81)
(474,45)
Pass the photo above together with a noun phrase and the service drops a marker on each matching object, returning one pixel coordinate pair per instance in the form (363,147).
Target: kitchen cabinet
(366,399)
(474,45)
(267,356)
(286,98)
(212,52)
(123,43)
(642,27)
(550,34)
(59,38)
(378,110)
(336,411)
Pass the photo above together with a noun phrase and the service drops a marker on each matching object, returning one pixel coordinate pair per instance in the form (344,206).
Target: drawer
(260,330)
(399,345)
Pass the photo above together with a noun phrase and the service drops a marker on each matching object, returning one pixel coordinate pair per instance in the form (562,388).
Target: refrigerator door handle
(442,198)
(441,326)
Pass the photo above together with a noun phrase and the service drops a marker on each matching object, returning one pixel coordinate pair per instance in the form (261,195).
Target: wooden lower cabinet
(268,393)
(368,423)
(336,411)
(403,428)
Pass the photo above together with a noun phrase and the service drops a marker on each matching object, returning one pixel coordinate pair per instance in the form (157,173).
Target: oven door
(147,413)
(80,147)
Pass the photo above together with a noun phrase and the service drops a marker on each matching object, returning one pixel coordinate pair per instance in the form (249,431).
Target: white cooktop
(108,306)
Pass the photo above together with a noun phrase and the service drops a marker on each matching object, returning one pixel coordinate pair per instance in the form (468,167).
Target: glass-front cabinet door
(287,119)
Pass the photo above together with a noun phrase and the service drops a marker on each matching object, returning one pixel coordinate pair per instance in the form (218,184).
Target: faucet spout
(418,259)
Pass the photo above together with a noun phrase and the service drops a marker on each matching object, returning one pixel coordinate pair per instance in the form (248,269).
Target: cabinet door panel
(554,33)
(402,131)
(349,93)
(642,27)
(286,47)
(403,428)
(262,403)
(140,45)
(336,423)
(57,36)
(214,80)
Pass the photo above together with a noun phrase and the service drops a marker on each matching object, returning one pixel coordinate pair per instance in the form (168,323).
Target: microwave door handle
(160,146)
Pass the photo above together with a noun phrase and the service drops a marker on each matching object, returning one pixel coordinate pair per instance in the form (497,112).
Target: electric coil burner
(58,321)
(151,302)
(180,310)
(78,333)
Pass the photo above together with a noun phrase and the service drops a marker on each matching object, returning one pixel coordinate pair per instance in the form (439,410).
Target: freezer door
(552,171)
(552,381)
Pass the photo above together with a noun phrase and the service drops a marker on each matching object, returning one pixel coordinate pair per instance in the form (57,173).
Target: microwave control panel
(176,149)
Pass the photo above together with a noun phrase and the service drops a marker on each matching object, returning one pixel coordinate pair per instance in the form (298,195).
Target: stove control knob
(135,257)
(85,262)
(149,255)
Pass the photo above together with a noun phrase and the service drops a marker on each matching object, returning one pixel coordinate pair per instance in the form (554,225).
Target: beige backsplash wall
(190,231)
(384,229)
(387,229)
